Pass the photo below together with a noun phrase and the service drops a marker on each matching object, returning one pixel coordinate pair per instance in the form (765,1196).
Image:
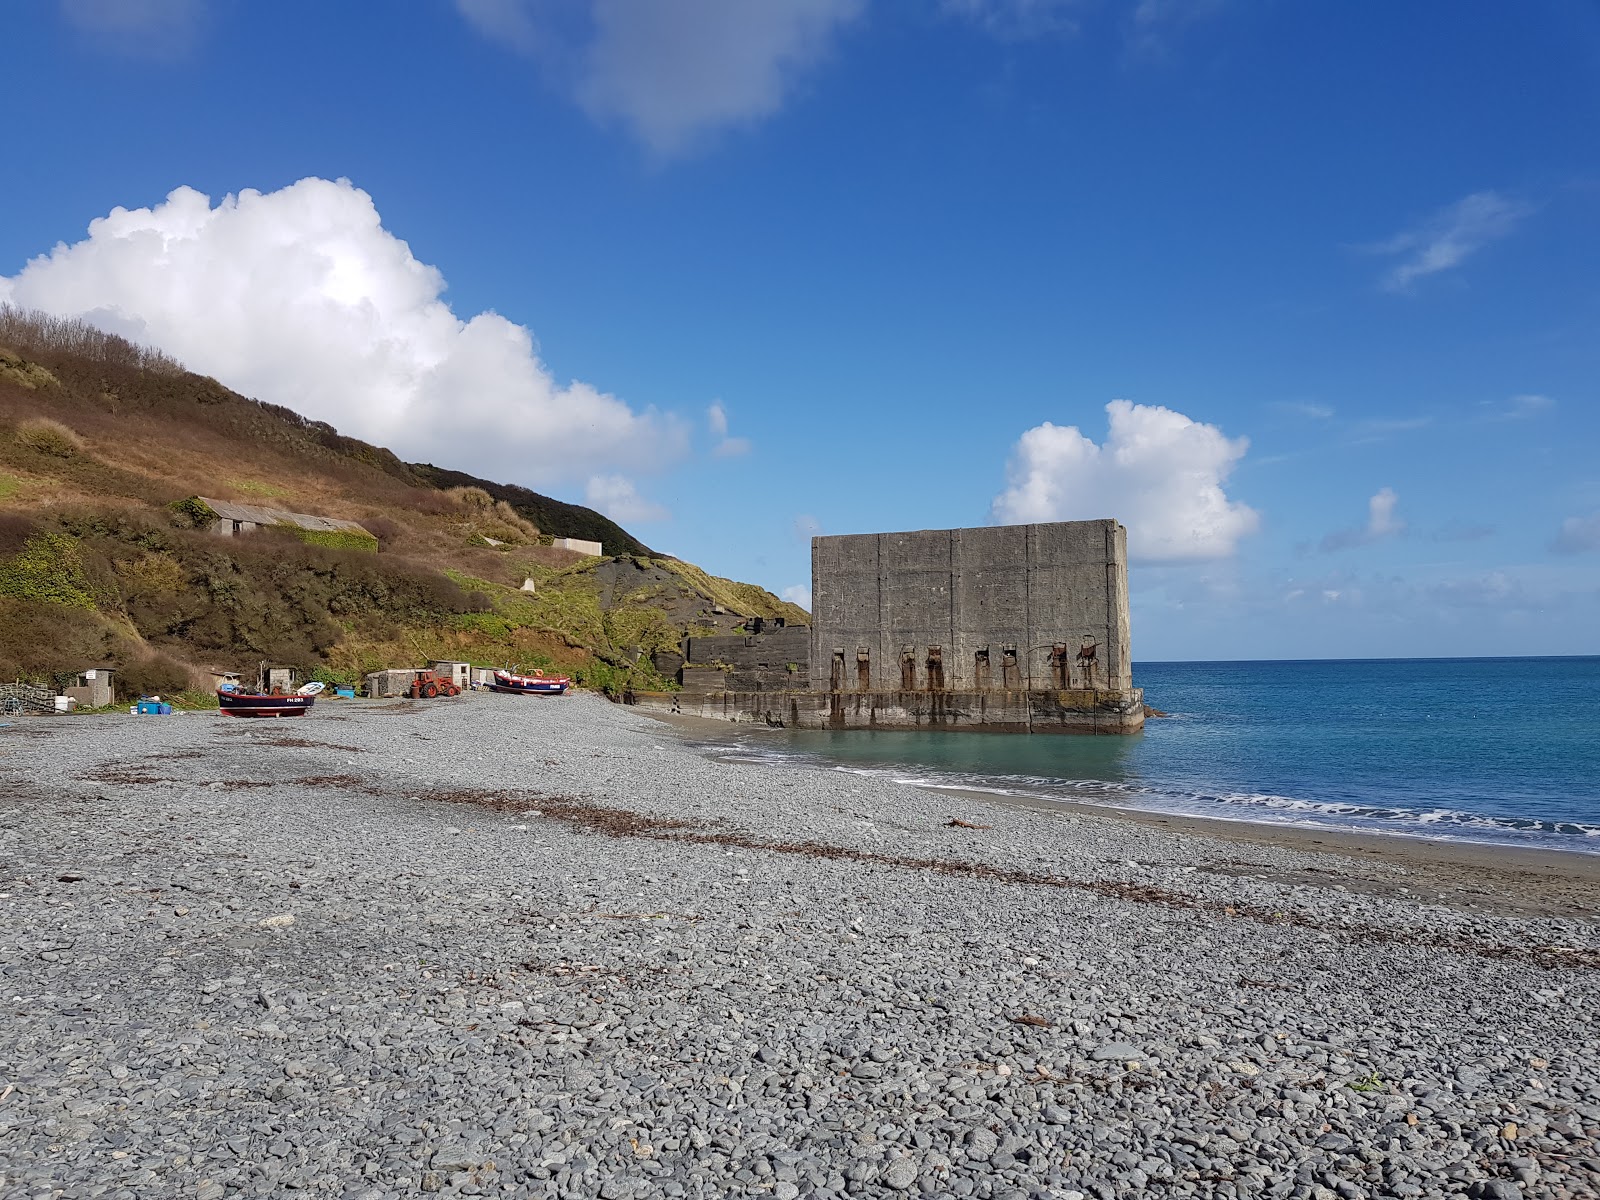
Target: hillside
(103,562)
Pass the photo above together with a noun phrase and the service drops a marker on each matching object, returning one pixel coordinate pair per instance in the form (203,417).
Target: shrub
(49,437)
(154,673)
(42,642)
(193,513)
(48,569)
(20,371)
(385,530)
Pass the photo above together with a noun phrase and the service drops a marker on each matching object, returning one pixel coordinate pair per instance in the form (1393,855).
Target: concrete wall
(1015,607)
(1074,711)
(93,688)
(755,662)
(458,673)
(579,545)
(393,682)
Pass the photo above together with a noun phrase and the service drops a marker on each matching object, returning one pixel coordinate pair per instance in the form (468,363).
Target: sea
(1497,750)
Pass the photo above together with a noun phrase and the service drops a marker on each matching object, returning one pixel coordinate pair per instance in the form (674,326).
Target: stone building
(232,520)
(93,687)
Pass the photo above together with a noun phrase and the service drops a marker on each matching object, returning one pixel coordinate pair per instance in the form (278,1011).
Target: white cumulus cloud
(798,593)
(301,297)
(619,499)
(1578,534)
(1381,523)
(1158,472)
(1449,237)
(717,422)
(670,73)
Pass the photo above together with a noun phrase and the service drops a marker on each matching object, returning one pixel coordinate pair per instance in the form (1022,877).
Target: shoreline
(493,946)
(1481,876)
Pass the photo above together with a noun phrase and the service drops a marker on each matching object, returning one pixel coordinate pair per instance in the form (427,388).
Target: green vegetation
(109,559)
(255,487)
(195,511)
(334,539)
(48,570)
(743,598)
(1370,1082)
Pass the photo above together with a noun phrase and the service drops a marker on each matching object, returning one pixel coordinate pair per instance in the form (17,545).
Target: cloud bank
(1449,237)
(670,73)
(616,496)
(1158,472)
(302,297)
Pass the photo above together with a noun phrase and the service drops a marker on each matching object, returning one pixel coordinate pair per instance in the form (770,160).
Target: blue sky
(740,273)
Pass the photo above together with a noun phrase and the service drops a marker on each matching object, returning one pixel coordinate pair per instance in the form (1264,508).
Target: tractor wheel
(430,691)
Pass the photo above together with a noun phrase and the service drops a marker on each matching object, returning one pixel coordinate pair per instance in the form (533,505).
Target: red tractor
(427,685)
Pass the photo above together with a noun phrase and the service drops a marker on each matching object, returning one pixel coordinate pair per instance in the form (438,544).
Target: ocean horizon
(1501,750)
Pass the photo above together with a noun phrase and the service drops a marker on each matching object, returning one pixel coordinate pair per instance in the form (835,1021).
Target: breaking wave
(1251,807)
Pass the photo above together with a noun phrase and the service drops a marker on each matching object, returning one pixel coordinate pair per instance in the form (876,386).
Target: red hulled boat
(238,703)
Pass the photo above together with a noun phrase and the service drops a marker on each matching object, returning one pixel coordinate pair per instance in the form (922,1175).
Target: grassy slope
(90,550)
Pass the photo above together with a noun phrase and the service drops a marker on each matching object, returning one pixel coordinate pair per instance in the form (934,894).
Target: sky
(1305,294)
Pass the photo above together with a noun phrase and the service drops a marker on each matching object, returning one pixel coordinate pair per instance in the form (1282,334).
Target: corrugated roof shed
(229,511)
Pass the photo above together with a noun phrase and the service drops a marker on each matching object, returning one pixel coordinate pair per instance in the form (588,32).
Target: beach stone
(981,1144)
(1116,1052)
(778,998)
(901,1174)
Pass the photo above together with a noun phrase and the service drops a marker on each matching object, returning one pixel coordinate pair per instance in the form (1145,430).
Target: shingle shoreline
(542,947)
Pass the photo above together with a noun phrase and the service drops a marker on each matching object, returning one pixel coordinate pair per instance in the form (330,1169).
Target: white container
(65,704)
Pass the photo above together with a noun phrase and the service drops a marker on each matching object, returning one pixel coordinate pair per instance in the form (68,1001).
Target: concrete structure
(389,683)
(775,660)
(1004,608)
(93,688)
(458,673)
(1020,628)
(578,544)
(234,519)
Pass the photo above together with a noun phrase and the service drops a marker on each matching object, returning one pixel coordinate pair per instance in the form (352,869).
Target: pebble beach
(505,946)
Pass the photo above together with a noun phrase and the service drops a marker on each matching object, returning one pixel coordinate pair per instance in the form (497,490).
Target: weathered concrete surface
(776,659)
(999,612)
(1073,711)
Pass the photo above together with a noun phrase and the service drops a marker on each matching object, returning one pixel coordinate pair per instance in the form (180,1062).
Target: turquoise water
(1504,750)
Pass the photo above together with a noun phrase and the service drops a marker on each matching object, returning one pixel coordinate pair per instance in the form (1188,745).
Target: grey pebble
(635,1005)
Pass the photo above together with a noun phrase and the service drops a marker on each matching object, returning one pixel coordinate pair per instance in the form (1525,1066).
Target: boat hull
(537,689)
(244,704)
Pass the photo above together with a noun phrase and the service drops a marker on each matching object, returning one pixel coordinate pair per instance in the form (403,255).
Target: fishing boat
(536,684)
(237,703)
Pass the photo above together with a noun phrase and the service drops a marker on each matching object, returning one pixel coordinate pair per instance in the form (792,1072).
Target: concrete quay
(1071,711)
